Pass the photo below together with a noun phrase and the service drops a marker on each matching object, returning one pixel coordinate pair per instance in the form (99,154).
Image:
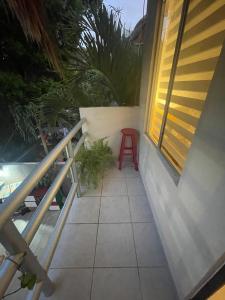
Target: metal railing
(16,244)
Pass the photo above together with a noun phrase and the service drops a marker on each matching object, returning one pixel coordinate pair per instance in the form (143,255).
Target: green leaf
(93,161)
(27,280)
(106,53)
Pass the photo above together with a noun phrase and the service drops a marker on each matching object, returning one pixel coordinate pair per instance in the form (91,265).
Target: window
(191,36)
(212,286)
(219,294)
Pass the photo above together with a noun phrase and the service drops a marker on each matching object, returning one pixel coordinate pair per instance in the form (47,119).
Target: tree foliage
(93,161)
(49,110)
(25,73)
(105,60)
(101,67)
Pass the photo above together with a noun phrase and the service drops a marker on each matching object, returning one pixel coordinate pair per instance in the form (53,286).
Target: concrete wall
(190,215)
(108,121)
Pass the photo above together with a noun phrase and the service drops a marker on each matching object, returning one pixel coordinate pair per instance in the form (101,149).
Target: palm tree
(33,20)
(105,63)
(106,51)
(48,111)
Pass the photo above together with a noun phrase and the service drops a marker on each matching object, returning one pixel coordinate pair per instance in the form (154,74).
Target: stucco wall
(108,121)
(190,214)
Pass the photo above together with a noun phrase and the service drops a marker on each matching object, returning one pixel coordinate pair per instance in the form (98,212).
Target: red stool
(133,135)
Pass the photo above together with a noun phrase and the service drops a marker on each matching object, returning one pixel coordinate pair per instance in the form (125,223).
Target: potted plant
(92,161)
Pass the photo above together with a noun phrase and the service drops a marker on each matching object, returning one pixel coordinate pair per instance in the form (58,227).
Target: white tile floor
(109,248)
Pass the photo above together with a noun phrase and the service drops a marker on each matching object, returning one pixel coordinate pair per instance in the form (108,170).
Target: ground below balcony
(109,248)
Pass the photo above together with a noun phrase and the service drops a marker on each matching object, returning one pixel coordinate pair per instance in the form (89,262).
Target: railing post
(15,244)
(73,170)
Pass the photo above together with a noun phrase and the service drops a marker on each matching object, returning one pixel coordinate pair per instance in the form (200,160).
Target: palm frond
(32,17)
(106,50)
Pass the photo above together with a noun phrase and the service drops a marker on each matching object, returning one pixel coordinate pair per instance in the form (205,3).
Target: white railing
(17,244)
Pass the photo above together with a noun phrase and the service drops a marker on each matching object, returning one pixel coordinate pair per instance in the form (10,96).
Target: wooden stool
(131,134)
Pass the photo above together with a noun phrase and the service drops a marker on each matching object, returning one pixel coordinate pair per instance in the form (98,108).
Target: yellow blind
(165,53)
(218,295)
(202,41)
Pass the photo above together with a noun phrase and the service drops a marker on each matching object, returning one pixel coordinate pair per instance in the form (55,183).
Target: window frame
(212,282)
(158,25)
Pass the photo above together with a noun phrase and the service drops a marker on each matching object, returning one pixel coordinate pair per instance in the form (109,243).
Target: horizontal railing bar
(8,270)
(35,221)
(50,250)
(17,197)
(5,164)
(15,244)
(46,260)
(39,213)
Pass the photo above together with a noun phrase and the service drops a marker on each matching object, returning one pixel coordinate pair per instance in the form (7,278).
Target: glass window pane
(163,65)
(202,41)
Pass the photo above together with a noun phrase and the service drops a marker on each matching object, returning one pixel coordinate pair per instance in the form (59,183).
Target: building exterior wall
(189,214)
(108,121)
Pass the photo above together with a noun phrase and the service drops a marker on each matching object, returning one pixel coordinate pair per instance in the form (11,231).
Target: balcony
(109,247)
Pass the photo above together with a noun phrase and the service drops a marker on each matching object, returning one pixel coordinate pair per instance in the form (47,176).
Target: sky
(132,10)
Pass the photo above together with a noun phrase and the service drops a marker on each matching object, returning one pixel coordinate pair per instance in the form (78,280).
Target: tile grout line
(127,194)
(128,222)
(110,267)
(92,279)
(135,267)
(132,226)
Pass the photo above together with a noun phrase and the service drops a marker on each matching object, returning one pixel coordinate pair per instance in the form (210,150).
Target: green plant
(106,62)
(48,111)
(27,279)
(93,161)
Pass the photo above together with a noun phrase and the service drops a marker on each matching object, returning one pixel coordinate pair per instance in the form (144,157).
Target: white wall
(190,215)
(108,121)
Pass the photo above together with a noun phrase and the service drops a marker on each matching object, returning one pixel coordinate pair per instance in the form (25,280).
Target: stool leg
(134,152)
(121,145)
(121,152)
